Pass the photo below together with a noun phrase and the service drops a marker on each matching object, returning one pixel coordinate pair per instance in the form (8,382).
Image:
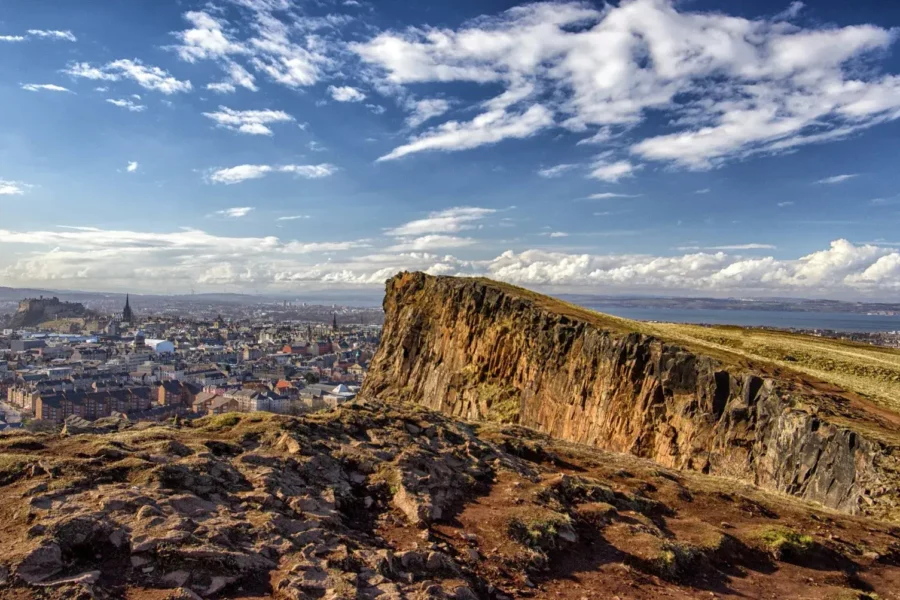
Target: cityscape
(284,359)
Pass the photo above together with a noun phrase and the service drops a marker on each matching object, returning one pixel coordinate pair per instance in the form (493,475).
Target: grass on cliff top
(871,371)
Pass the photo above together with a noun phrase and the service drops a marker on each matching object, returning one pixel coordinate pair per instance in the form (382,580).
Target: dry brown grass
(871,371)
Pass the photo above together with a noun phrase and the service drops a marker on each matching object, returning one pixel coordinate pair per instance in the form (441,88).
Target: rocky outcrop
(487,351)
(35,311)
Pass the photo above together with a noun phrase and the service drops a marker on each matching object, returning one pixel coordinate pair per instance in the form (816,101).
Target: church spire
(127,313)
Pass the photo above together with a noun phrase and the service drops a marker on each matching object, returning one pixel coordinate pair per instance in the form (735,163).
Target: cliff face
(485,351)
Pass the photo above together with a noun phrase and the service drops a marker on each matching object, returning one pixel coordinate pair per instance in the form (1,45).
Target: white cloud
(609,195)
(241,173)
(146,76)
(101,259)
(612,172)
(703,191)
(729,87)
(48,87)
(487,128)
(730,247)
(558,234)
(430,242)
(12,38)
(287,48)
(132,166)
(784,204)
(252,122)
(837,179)
(424,110)
(346,94)
(207,39)
(293,218)
(53,34)
(12,188)
(556,171)
(236,212)
(451,220)
(127,104)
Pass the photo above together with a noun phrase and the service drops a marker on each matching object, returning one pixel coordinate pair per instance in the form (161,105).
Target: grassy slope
(871,371)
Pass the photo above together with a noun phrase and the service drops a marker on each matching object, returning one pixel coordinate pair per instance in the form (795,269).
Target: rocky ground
(384,501)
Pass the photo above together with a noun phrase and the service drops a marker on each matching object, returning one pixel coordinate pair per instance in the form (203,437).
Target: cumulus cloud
(101,258)
(132,166)
(236,212)
(47,87)
(146,76)
(837,179)
(252,122)
(346,93)
(12,38)
(127,104)
(729,86)
(232,175)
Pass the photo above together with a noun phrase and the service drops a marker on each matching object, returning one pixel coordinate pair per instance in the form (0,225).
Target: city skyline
(285,146)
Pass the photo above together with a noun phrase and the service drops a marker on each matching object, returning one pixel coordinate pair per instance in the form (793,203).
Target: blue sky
(283,145)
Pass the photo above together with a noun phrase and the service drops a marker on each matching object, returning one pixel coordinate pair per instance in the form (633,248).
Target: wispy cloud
(786,203)
(293,218)
(132,166)
(53,34)
(47,87)
(127,104)
(730,247)
(451,220)
(609,195)
(837,178)
(12,188)
(236,212)
(232,175)
(556,171)
(612,172)
(146,76)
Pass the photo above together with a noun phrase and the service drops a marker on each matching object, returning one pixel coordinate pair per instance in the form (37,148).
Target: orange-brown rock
(482,350)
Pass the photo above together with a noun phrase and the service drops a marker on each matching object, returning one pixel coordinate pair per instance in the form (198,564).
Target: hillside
(387,501)
(804,416)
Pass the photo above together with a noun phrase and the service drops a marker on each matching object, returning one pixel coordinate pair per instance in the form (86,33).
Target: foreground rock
(482,350)
(382,501)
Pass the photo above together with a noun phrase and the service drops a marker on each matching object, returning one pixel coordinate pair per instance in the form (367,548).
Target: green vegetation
(782,542)
(219,422)
(540,532)
(502,402)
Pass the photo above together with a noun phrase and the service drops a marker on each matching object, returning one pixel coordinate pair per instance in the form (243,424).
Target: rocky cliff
(35,311)
(482,350)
